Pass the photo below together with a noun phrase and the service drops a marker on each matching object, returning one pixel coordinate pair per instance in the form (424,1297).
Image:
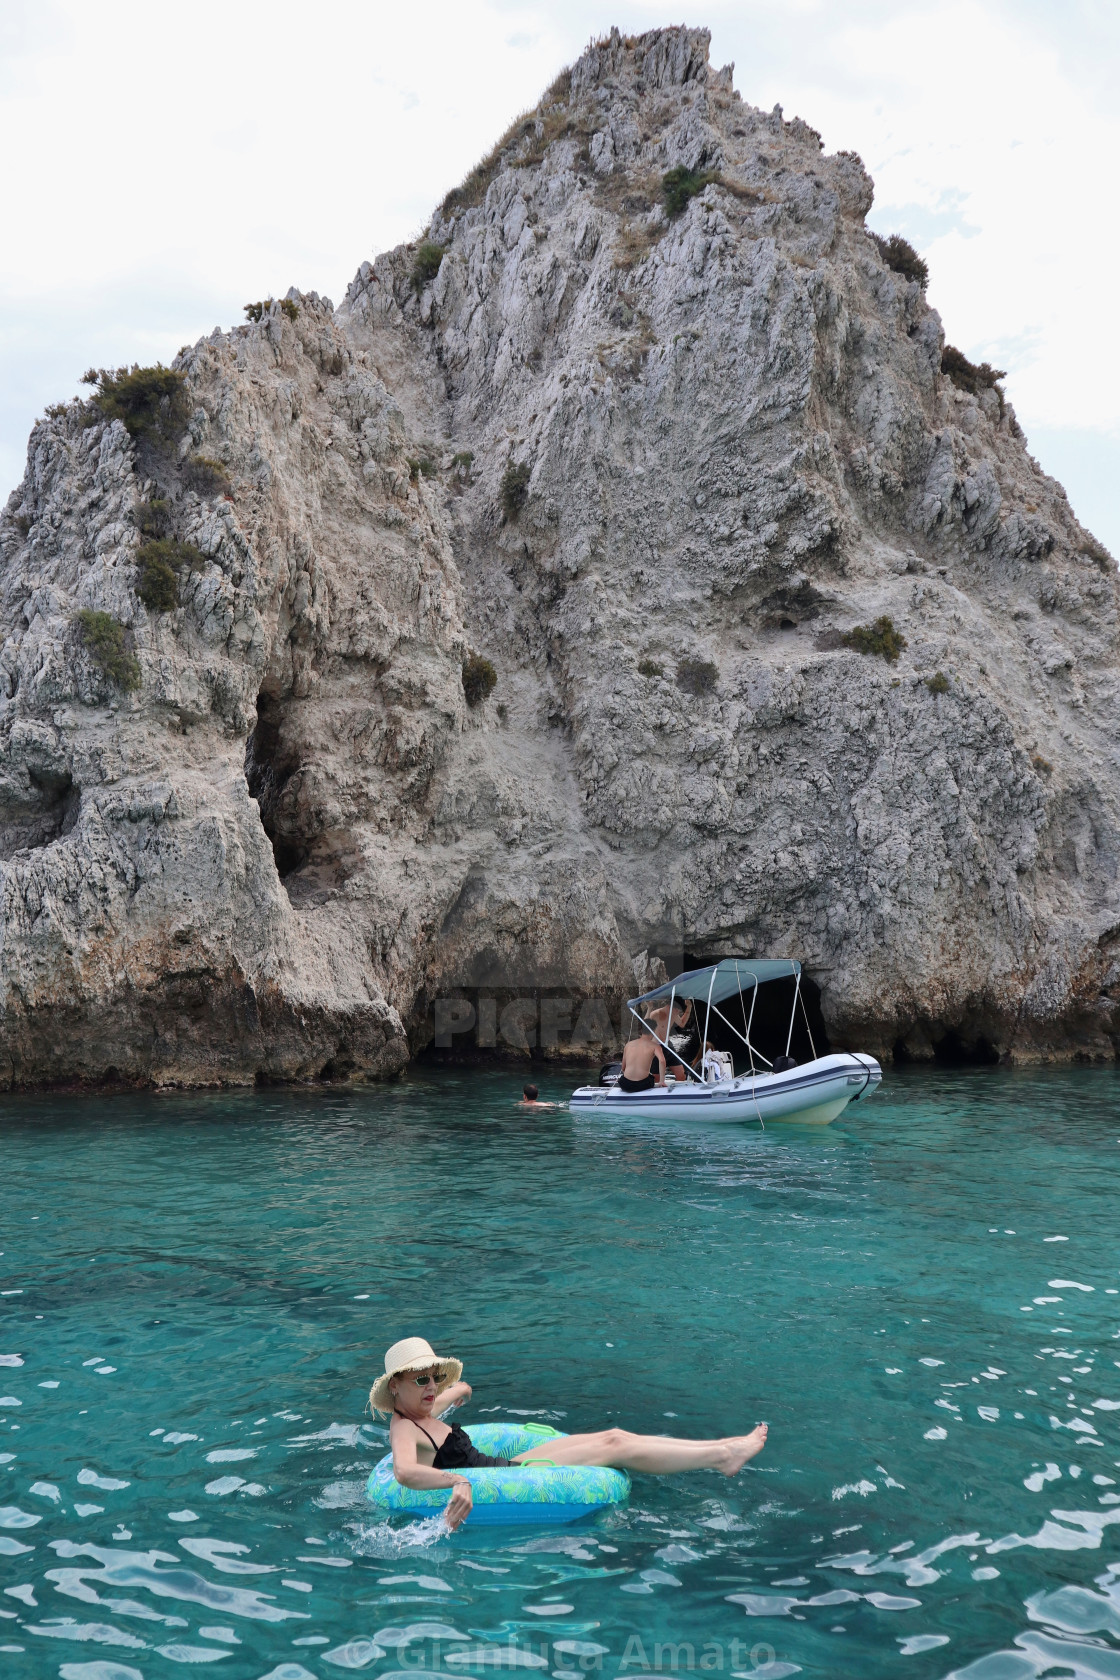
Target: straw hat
(413,1354)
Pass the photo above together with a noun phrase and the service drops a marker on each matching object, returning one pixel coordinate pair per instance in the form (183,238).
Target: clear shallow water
(199,1292)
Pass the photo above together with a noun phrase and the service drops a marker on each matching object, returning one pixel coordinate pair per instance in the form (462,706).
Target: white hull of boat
(813,1094)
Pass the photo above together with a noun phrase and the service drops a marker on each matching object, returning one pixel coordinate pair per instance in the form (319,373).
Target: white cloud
(165,165)
(1011,144)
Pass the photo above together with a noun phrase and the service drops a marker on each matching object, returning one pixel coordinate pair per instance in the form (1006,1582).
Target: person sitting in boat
(643,1063)
(679,1032)
(417,1386)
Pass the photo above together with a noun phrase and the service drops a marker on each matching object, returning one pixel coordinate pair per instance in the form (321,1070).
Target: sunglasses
(426,1378)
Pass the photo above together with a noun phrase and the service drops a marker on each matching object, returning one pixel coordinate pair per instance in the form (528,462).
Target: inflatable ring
(537,1493)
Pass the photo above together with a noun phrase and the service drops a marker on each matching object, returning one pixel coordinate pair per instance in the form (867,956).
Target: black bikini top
(456,1451)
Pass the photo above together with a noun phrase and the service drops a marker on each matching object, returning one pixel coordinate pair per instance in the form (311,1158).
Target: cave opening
(770,1024)
(953,1050)
(29,827)
(270,763)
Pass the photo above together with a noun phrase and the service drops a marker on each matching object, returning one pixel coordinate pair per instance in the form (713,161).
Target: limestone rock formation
(649,422)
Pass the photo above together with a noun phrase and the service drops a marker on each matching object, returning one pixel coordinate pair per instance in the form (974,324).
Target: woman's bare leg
(655,1454)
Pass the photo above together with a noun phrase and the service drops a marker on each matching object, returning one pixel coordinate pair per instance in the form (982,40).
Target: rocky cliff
(797,649)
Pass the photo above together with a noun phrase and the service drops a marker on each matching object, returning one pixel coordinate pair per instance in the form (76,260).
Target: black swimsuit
(645,1084)
(457,1453)
(683,1045)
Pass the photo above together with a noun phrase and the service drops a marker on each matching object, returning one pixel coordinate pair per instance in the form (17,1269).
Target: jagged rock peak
(662,58)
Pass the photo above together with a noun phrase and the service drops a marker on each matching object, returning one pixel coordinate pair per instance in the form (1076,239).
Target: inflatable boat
(532,1493)
(812,1092)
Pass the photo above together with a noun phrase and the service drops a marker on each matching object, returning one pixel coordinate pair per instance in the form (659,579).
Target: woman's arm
(457,1395)
(412,1474)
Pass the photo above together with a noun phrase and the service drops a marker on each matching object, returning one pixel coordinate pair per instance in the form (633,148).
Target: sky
(165,164)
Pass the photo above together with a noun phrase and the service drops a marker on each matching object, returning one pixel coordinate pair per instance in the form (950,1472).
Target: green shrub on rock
(206,476)
(152,519)
(970,376)
(899,254)
(159,584)
(515,488)
(479,679)
(150,401)
(697,676)
(258,311)
(882,638)
(938,683)
(159,563)
(105,640)
(679,186)
(425,265)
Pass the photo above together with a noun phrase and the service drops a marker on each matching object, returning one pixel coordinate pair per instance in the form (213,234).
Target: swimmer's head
(413,1376)
(530,1093)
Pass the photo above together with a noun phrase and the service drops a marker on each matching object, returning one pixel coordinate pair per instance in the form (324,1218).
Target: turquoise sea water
(921,1300)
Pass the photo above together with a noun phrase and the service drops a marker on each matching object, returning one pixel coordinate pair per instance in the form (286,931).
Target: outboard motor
(782,1064)
(610,1074)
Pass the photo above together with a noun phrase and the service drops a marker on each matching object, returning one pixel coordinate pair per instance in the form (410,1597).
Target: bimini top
(731,975)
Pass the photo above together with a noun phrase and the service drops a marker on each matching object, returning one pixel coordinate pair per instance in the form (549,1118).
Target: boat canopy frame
(712,986)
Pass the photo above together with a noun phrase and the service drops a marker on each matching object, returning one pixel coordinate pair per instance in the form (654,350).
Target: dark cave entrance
(269,767)
(28,827)
(770,1025)
(953,1049)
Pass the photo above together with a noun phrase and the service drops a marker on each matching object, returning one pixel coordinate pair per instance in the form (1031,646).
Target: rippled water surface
(921,1300)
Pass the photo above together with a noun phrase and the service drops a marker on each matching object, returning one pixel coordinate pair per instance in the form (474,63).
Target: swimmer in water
(417,1386)
(530,1098)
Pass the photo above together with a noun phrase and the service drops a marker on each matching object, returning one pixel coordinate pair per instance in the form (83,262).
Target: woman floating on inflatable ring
(418,1385)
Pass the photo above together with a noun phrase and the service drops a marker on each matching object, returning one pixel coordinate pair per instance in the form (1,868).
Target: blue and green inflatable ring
(537,1493)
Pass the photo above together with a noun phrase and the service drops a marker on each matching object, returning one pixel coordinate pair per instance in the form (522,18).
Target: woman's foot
(738,1449)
